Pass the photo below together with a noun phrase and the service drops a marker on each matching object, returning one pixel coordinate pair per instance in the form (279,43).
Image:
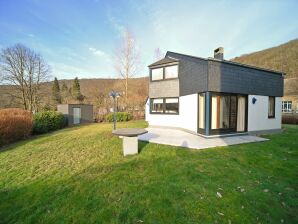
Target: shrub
(290,119)
(120,116)
(47,121)
(15,124)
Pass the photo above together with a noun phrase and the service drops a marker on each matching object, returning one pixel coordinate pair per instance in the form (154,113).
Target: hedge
(47,121)
(120,116)
(15,124)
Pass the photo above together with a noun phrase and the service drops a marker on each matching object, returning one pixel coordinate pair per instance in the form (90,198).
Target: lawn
(78,175)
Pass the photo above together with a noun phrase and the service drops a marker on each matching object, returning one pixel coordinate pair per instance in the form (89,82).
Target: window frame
(164,73)
(287,103)
(164,106)
(271,116)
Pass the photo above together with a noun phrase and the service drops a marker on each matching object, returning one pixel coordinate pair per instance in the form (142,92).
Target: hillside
(282,58)
(95,92)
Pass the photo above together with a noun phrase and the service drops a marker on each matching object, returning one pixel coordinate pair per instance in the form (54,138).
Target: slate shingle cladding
(200,75)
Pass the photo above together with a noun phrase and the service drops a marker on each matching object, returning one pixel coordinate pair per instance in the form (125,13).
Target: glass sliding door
(227,115)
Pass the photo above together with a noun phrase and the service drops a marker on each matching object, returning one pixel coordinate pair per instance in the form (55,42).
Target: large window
(286,106)
(157,74)
(165,106)
(202,111)
(168,72)
(271,107)
(171,72)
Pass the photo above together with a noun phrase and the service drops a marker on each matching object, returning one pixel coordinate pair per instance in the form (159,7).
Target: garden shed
(76,113)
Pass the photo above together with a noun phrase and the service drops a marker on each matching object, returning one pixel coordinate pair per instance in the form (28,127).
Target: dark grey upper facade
(197,75)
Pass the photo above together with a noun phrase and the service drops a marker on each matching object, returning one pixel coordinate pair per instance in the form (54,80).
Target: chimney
(219,53)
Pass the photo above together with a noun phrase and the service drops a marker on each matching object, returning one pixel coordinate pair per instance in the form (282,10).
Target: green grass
(78,175)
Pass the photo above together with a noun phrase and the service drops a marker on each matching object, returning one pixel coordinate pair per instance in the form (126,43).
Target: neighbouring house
(76,113)
(290,99)
(212,96)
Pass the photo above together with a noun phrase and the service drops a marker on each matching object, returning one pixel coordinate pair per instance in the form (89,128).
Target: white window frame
(287,106)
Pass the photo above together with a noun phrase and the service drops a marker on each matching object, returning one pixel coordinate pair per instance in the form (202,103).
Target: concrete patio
(181,138)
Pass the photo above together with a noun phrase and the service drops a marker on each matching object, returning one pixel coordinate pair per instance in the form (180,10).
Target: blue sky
(80,38)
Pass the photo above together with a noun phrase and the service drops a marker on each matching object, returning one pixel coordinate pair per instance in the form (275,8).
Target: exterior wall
(164,88)
(186,119)
(230,78)
(193,74)
(258,114)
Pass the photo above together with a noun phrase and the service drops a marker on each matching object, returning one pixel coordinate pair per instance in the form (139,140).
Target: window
(171,72)
(157,105)
(157,74)
(171,106)
(271,107)
(286,106)
(202,111)
(165,106)
(168,72)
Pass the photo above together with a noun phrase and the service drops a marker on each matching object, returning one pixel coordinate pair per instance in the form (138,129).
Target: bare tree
(25,71)
(157,54)
(127,60)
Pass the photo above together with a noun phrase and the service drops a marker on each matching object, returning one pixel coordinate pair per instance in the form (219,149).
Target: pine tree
(56,95)
(76,90)
(64,93)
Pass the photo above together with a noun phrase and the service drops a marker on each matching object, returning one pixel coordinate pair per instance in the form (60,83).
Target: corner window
(157,74)
(171,72)
(286,106)
(271,107)
(165,106)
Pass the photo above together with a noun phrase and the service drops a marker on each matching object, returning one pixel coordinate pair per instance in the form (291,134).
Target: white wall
(258,114)
(187,117)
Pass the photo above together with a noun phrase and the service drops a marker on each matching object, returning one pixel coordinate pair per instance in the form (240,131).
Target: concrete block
(130,145)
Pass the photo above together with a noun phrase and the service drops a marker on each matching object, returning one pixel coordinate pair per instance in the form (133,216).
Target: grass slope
(79,175)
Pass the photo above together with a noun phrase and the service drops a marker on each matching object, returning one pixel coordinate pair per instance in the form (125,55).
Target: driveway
(181,138)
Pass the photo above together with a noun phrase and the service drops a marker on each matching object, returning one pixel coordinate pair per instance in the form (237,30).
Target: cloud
(96,51)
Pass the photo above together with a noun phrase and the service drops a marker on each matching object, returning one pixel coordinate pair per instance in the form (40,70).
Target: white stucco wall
(187,117)
(258,114)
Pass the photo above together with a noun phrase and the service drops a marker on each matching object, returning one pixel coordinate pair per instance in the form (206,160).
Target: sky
(79,38)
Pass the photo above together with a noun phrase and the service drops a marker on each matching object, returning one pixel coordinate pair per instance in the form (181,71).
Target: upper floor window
(168,72)
(271,107)
(157,74)
(171,72)
(286,106)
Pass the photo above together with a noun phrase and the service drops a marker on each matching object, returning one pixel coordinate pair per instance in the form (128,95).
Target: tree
(157,54)
(126,60)
(56,91)
(25,71)
(76,90)
(64,93)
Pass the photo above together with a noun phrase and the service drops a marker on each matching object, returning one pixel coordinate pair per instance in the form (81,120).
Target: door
(76,115)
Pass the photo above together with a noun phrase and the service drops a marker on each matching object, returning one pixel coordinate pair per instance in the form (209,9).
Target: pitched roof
(165,60)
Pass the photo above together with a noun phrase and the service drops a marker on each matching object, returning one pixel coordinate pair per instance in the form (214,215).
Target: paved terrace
(181,138)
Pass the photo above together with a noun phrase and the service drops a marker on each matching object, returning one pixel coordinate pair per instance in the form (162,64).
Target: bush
(290,119)
(15,124)
(120,116)
(47,121)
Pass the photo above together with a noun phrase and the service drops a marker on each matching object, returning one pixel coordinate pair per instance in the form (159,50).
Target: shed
(76,113)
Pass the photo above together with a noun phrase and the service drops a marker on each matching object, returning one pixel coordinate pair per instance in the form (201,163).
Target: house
(212,96)
(76,113)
